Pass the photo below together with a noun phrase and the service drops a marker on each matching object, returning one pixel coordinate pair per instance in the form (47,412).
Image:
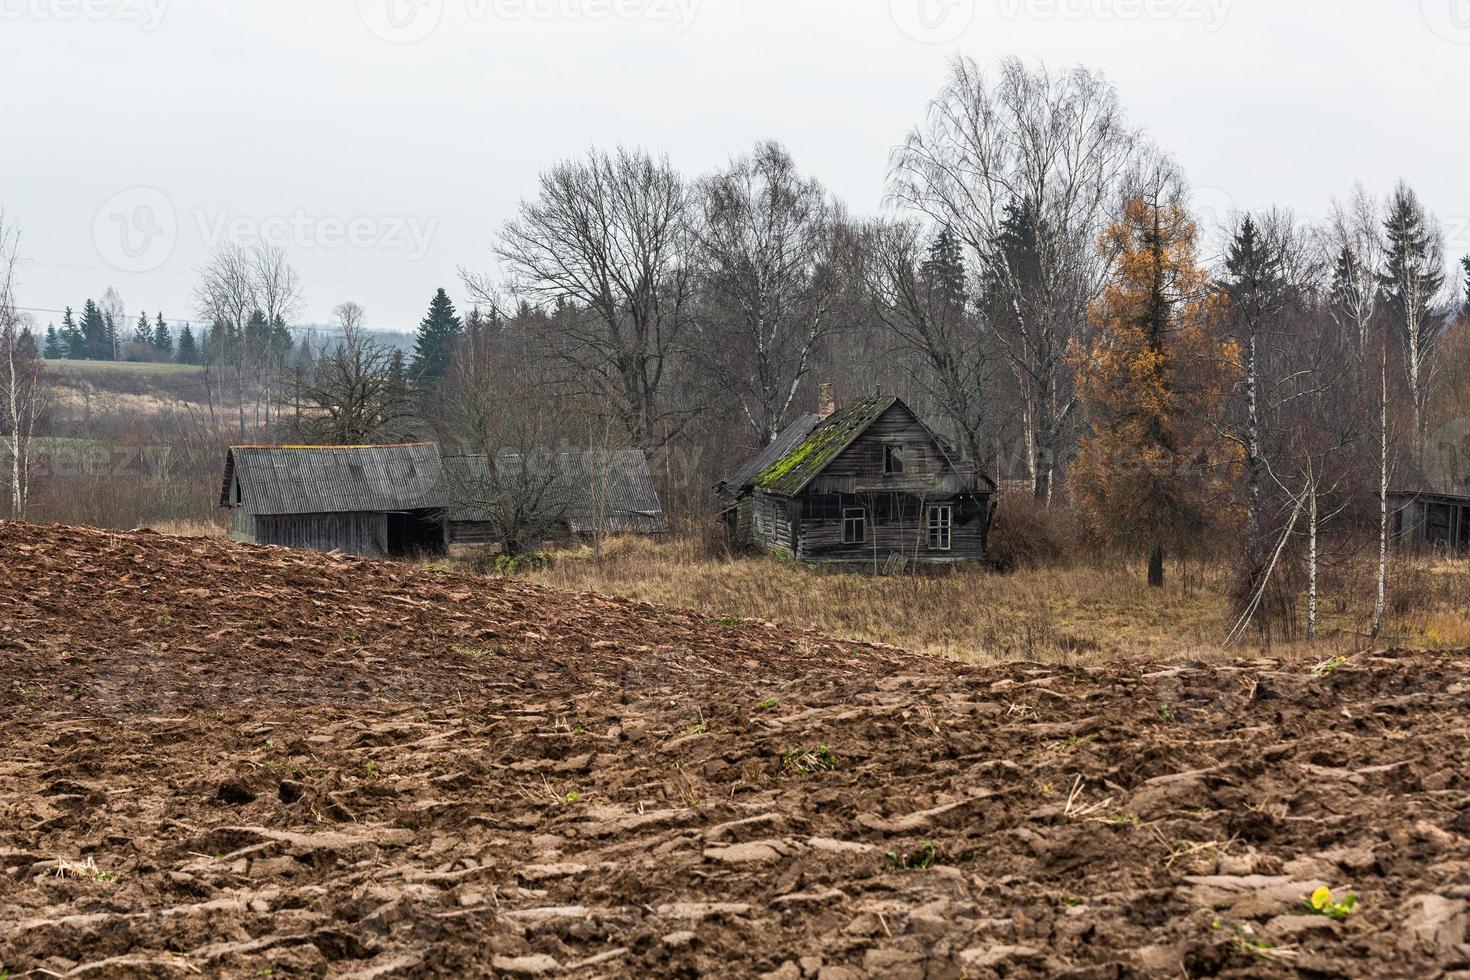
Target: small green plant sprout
(766,705)
(1069,901)
(83,869)
(698,728)
(572,798)
(1329,666)
(370,770)
(921,860)
(728,621)
(805,762)
(1322,903)
(349,639)
(1246,943)
(1166,712)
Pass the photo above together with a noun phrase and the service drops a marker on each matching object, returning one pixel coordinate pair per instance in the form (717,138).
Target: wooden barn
(1422,519)
(868,485)
(553,495)
(375,501)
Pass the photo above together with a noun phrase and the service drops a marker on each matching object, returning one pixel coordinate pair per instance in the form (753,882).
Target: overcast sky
(385,141)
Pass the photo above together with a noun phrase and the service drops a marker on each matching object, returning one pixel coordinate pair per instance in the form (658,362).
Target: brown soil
(225,760)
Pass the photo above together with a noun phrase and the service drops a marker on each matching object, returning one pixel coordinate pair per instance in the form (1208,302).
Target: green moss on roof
(790,474)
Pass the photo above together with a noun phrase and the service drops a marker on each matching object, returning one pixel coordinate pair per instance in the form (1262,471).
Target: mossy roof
(790,474)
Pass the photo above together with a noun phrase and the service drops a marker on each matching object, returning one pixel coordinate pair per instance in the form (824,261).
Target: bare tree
(607,239)
(224,296)
(115,314)
(278,296)
(23,392)
(764,238)
(930,316)
(1352,246)
(1030,160)
(1413,275)
(354,395)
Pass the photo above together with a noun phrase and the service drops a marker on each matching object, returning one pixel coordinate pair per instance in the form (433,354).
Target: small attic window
(357,471)
(893,460)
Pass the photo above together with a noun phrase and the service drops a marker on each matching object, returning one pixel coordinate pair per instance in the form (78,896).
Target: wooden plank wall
(348,534)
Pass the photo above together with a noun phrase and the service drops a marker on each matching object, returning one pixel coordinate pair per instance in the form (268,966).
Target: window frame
(939,527)
(855,517)
(893,461)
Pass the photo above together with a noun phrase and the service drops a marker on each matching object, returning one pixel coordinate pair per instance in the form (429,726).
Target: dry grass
(1055,615)
(190,529)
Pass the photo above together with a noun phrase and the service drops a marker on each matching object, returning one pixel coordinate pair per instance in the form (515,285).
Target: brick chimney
(826,401)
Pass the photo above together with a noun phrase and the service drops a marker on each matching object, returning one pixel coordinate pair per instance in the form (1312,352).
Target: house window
(892,460)
(854,525)
(941,527)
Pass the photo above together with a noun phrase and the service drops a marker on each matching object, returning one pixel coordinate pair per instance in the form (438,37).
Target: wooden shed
(375,501)
(870,485)
(1423,519)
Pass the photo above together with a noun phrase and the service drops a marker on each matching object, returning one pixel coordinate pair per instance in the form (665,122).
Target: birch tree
(1047,151)
(1413,275)
(1352,242)
(764,238)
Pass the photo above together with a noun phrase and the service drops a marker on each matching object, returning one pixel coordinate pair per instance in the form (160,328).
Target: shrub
(1028,534)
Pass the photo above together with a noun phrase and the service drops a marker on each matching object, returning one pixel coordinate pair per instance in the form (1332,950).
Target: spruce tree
(55,346)
(436,337)
(26,348)
(1413,274)
(162,341)
(943,271)
(96,341)
(142,334)
(108,351)
(1466,263)
(188,349)
(72,336)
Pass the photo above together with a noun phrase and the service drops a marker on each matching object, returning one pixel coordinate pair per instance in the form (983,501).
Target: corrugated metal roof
(736,483)
(333,479)
(612,490)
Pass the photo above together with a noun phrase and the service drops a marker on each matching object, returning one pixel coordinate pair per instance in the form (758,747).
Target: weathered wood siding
(348,534)
(771,521)
(859,467)
(900,527)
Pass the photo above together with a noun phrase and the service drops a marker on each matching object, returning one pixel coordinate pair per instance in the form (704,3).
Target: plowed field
(219,760)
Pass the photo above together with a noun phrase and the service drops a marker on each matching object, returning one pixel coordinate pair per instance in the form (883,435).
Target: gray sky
(384,141)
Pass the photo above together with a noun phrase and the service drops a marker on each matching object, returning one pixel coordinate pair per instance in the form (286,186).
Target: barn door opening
(415,533)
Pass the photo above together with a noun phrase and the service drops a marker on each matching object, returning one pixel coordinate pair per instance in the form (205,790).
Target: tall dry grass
(1072,614)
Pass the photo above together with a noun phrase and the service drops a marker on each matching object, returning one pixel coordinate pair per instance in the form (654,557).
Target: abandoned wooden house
(1427,520)
(868,485)
(375,501)
(549,497)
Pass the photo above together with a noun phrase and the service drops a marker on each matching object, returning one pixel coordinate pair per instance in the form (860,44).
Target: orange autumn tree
(1153,469)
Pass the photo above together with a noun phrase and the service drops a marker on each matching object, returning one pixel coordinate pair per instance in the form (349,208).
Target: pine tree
(143,333)
(188,349)
(1153,468)
(96,340)
(55,346)
(26,348)
(162,340)
(108,350)
(436,337)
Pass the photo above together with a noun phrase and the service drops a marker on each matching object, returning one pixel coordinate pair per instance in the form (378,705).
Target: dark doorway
(415,533)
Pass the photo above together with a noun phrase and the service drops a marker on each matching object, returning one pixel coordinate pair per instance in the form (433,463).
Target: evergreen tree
(96,340)
(1413,274)
(943,271)
(55,346)
(436,337)
(72,336)
(188,349)
(281,341)
(1466,263)
(26,348)
(162,340)
(143,333)
(108,350)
